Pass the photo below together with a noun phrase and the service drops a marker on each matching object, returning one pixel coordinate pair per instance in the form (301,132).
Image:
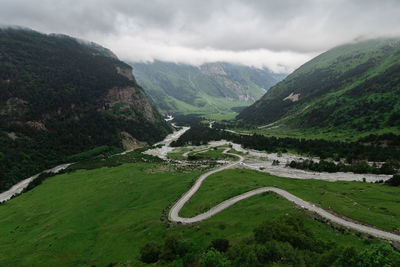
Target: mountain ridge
(353,86)
(211,87)
(60,96)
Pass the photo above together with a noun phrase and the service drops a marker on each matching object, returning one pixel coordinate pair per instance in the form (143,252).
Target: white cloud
(278,34)
(136,49)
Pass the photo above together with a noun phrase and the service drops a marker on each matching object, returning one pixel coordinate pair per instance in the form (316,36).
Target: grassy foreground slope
(354,87)
(105,215)
(88,217)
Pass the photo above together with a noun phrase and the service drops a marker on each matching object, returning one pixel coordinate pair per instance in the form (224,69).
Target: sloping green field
(105,215)
(373,204)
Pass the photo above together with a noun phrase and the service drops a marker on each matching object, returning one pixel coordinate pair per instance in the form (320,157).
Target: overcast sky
(280,34)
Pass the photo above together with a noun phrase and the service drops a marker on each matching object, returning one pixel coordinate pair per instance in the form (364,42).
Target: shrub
(269,252)
(394,181)
(213,258)
(191,259)
(378,255)
(220,244)
(349,257)
(286,229)
(174,248)
(150,252)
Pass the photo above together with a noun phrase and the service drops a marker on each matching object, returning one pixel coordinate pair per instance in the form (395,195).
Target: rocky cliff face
(129,98)
(14,107)
(126,72)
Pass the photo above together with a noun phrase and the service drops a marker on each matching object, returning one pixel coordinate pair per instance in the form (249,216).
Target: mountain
(354,86)
(60,96)
(211,87)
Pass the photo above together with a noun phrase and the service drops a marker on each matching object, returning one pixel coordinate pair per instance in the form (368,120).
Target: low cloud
(280,35)
(279,62)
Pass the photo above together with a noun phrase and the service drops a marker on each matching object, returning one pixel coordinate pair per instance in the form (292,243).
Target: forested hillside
(211,87)
(60,96)
(354,86)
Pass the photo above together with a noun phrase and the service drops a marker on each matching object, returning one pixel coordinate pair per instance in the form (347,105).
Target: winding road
(173,215)
(19,187)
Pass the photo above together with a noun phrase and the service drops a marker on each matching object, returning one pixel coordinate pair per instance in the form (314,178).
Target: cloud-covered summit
(279,35)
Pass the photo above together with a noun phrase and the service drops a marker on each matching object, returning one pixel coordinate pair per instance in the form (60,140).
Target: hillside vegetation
(115,215)
(352,87)
(60,96)
(210,88)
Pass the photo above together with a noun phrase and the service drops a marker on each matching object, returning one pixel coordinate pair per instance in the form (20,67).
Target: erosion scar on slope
(173,215)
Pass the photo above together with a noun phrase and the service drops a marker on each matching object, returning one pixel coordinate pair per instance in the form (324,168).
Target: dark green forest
(53,102)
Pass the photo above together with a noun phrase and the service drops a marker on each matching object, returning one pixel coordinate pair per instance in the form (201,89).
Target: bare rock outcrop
(129,142)
(36,125)
(132,98)
(126,72)
(14,108)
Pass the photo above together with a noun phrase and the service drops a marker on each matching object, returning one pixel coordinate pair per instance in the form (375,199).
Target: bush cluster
(286,241)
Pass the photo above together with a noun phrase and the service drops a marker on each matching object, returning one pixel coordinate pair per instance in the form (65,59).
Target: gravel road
(174,212)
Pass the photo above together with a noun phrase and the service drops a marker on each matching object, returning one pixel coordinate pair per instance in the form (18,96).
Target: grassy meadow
(373,204)
(103,216)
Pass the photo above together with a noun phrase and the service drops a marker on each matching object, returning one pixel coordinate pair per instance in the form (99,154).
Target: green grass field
(178,152)
(214,108)
(221,116)
(374,204)
(103,216)
(213,154)
(89,217)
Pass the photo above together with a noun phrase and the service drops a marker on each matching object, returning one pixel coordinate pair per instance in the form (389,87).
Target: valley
(171,176)
(213,88)
(216,164)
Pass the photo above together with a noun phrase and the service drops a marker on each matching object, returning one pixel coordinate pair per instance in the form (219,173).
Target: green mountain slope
(60,96)
(212,87)
(354,86)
